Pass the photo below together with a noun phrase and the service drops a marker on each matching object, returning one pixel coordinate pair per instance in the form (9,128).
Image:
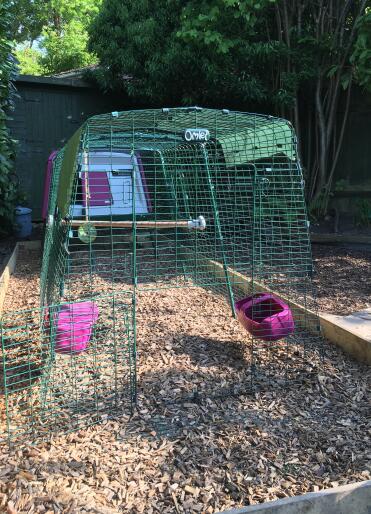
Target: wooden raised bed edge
(340,238)
(351,499)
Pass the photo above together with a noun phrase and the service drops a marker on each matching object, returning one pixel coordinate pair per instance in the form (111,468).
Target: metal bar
(133,362)
(219,230)
(130,223)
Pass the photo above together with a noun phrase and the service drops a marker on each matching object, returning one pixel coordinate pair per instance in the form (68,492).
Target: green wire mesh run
(49,385)
(180,198)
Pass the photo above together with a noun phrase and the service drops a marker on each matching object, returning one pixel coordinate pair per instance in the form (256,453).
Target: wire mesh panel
(67,366)
(182,198)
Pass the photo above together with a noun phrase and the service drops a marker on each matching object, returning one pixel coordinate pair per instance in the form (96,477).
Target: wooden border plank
(340,238)
(5,276)
(347,340)
(350,499)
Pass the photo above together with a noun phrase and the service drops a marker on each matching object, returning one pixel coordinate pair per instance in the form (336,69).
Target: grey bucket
(23,221)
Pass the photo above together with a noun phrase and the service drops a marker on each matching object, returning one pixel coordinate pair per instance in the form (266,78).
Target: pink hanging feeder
(74,326)
(265,316)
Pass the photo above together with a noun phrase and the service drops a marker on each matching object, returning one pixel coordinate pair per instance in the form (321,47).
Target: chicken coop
(154,201)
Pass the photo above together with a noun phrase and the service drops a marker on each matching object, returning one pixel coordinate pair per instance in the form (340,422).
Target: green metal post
(134,274)
(5,382)
(218,229)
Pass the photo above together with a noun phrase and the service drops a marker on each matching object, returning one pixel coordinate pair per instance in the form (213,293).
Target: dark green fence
(48,111)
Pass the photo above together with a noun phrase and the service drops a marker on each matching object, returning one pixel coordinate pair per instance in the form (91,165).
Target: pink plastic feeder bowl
(265,316)
(74,326)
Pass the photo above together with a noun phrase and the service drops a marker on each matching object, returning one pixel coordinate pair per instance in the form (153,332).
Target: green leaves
(345,80)
(361,56)
(8,187)
(61,31)
(184,52)
(66,52)
(219,23)
(289,58)
(29,61)
(333,70)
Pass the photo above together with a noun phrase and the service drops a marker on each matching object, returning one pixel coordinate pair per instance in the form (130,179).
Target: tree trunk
(322,142)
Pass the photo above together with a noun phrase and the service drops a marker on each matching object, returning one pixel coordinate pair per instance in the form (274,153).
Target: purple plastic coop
(109,188)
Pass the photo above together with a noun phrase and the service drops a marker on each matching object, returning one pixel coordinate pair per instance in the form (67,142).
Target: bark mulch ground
(186,453)
(342,279)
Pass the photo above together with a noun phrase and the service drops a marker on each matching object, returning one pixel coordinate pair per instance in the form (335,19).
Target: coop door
(96,189)
(67,366)
(280,224)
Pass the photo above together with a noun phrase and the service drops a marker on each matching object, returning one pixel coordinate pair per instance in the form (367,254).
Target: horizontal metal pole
(129,224)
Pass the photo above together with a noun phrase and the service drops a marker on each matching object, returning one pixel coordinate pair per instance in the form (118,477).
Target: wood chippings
(24,285)
(205,436)
(342,279)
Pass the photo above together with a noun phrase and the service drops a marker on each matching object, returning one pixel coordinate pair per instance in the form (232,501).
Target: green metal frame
(245,180)
(47,392)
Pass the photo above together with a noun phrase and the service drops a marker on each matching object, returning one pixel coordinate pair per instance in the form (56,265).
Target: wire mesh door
(67,366)
(281,275)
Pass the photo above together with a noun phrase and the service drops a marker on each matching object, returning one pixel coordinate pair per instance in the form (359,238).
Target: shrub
(8,184)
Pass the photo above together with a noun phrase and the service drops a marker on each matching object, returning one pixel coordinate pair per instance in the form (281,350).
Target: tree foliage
(313,61)
(361,56)
(60,29)
(29,60)
(138,40)
(143,41)
(8,189)
(66,50)
(297,58)
(28,18)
